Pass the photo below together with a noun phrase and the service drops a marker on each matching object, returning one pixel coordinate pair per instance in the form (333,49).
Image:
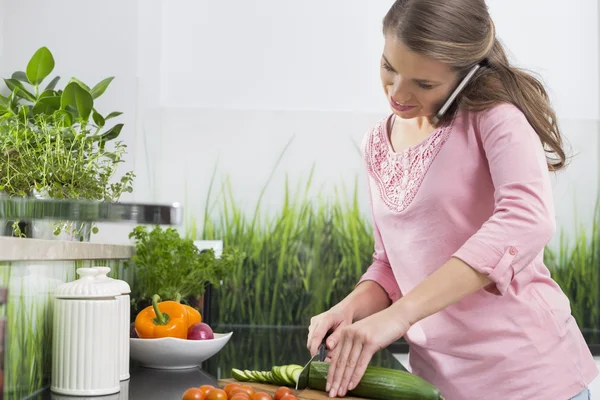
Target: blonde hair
(462,34)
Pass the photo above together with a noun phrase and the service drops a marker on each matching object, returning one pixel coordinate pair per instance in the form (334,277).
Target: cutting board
(306,394)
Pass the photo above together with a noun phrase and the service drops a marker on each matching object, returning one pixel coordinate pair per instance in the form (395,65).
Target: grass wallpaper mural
(299,261)
(305,256)
(575,266)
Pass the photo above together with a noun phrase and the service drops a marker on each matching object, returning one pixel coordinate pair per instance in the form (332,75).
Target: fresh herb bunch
(169,265)
(51,158)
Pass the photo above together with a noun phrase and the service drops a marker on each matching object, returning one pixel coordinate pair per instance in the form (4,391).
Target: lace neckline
(399,175)
(389,124)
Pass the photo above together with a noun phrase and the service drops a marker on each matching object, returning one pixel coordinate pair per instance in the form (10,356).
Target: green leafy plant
(73,106)
(52,142)
(170,265)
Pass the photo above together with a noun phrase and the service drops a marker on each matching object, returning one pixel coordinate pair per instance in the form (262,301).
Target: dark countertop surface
(253,348)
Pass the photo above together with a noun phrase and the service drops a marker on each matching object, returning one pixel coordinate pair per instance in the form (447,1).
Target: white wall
(561,43)
(200,79)
(270,54)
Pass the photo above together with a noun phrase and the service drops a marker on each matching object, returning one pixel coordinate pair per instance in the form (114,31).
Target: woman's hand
(332,320)
(357,344)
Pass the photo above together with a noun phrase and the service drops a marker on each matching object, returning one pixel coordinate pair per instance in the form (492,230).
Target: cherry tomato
(193,394)
(217,394)
(261,396)
(289,397)
(242,389)
(240,396)
(206,388)
(282,391)
(230,387)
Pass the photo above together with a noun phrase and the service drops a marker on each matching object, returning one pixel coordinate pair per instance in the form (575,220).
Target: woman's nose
(399,90)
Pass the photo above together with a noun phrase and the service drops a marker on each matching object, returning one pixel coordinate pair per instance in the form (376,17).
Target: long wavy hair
(461,34)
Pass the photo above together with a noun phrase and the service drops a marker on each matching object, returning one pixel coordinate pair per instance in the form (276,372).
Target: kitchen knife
(302,382)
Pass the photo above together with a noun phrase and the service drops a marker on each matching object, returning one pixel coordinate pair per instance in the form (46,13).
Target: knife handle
(323,347)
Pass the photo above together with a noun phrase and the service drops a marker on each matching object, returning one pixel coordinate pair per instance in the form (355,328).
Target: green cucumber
(277,372)
(250,374)
(264,377)
(289,372)
(282,375)
(239,375)
(296,375)
(379,384)
(285,375)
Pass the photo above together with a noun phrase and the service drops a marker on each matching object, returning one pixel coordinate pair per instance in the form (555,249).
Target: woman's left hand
(357,344)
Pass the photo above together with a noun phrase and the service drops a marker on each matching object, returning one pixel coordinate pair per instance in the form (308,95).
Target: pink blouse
(478,190)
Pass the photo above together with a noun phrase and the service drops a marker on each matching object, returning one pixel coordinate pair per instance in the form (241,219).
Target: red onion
(200,331)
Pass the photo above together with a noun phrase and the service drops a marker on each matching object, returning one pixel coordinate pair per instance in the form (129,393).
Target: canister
(84,335)
(124,316)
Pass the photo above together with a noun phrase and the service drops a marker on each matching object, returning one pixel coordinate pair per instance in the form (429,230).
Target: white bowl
(174,353)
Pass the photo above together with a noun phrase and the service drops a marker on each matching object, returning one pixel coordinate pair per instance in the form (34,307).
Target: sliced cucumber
(239,375)
(289,373)
(296,374)
(264,377)
(257,376)
(282,375)
(288,376)
(249,374)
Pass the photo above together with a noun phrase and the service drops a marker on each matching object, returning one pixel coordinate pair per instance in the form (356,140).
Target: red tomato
(242,389)
(282,391)
(217,394)
(240,396)
(261,396)
(206,388)
(230,387)
(289,397)
(193,394)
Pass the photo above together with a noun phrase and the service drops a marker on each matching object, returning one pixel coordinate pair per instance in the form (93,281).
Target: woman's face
(415,85)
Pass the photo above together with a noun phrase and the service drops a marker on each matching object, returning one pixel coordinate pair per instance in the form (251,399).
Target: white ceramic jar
(124,317)
(84,343)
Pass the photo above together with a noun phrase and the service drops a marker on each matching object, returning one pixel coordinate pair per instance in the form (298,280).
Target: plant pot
(71,231)
(45,229)
(7,226)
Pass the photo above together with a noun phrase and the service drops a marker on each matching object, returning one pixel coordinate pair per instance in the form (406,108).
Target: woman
(462,210)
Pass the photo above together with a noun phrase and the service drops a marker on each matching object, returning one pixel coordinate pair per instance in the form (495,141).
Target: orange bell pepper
(194,316)
(162,319)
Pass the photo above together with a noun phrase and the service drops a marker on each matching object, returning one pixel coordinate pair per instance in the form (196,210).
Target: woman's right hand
(333,320)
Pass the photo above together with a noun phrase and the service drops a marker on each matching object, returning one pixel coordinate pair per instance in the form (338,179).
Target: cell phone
(454,94)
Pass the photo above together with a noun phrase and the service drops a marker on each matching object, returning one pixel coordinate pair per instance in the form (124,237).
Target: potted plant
(173,267)
(54,143)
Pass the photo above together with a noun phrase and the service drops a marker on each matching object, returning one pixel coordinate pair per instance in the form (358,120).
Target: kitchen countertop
(16,249)
(254,348)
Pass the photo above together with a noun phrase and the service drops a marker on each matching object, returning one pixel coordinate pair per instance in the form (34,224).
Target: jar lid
(121,286)
(87,286)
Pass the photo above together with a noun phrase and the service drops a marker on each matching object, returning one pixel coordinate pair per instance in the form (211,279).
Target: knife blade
(302,382)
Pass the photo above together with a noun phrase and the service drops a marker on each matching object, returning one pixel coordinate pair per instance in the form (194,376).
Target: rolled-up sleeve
(523,222)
